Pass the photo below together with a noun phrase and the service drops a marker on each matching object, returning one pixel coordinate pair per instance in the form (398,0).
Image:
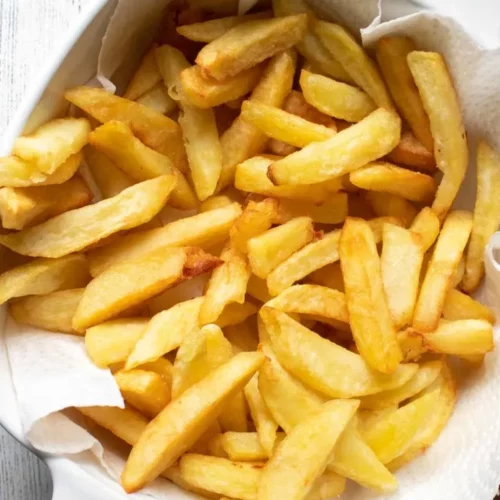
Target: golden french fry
(158,100)
(242,140)
(366,141)
(249,43)
(245,446)
(391,205)
(145,77)
(53,312)
(53,143)
(139,162)
(199,230)
(426,226)
(458,305)
(304,454)
(235,313)
(268,250)
(443,109)
(185,419)
(387,178)
(161,366)
(334,98)
(442,267)
(42,276)
(331,211)
(391,53)
(411,153)
(75,230)
(345,49)
(216,201)
(330,276)
(486,214)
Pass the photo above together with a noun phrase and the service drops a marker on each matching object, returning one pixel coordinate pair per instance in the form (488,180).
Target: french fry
(173,474)
(207,92)
(53,312)
(161,366)
(334,98)
(216,201)
(145,77)
(215,448)
(411,153)
(443,109)
(323,365)
(242,140)
(158,100)
(290,473)
(23,207)
(329,276)
(257,288)
(200,230)
(245,446)
(442,267)
(268,250)
(139,162)
(53,143)
(144,390)
(77,229)
(370,317)
(235,314)
(387,178)
(391,53)
(185,419)
(43,276)
(486,214)
(368,140)
(249,43)
(458,305)
(402,255)
(391,205)
(426,226)
(117,288)
(346,50)
(331,211)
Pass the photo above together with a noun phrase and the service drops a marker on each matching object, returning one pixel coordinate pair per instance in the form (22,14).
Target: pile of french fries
(319,180)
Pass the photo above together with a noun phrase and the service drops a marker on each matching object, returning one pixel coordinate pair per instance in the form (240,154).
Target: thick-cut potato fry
(139,162)
(328,485)
(53,143)
(401,263)
(158,100)
(355,61)
(185,419)
(23,207)
(245,446)
(371,138)
(257,288)
(411,345)
(152,128)
(331,211)
(323,365)
(304,454)
(242,140)
(145,77)
(227,284)
(486,214)
(391,205)
(249,43)
(391,52)
(207,92)
(125,285)
(200,230)
(442,267)
(203,442)
(77,229)
(330,276)
(161,366)
(144,390)
(268,250)
(235,313)
(443,109)
(411,153)
(334,98)
(369,314)
(426,226)
(388,178)
(113,341)
(458,305)
(53,312)
(42,276)
(216,201)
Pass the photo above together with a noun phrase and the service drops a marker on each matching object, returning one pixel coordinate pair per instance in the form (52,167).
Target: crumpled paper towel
(52,372)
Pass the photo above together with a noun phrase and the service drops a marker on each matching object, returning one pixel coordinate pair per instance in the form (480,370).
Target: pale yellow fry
(158,100)
(303,455)
(77,229)
(426,226)
(391,205)
(242,140)
(145,77)
(486,214)
(328,485)
(355,61)
(334,98)
(458,305)
(366,141)
(235,313)
(388,178)
(183,421)
(323,365)
(268,250)
(401,262)
(391,53)
(369,315)
(245,446)
(442,267)
(53,143)
(250,43)
(200,230)
(331,211)
(162,366)
(443,109)
(53,312)
(216,201)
